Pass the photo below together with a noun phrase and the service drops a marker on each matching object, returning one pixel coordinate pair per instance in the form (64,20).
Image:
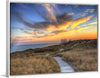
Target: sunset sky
(43,23)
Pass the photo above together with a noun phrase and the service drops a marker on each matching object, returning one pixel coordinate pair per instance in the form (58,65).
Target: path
(65,67)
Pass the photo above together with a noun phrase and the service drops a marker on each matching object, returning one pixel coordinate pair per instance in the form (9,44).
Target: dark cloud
(20,18)
(62,18)
(43,25)
(45,35)
(58,31)
(43,14)
(34,33)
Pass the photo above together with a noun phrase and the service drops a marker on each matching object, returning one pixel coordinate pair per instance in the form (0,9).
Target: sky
(43,23)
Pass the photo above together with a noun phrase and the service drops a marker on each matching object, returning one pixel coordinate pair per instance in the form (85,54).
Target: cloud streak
(90,10)
(51,15)
(89,24)
(79,21)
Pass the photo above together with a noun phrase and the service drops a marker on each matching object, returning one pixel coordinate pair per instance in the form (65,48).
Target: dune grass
(81,55)
(34,65)
(81,60)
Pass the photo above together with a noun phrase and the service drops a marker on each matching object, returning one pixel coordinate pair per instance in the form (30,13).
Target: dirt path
(65,67)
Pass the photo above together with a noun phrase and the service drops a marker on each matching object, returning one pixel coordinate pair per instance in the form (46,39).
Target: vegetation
(33,65)
(80,54)
(81,60)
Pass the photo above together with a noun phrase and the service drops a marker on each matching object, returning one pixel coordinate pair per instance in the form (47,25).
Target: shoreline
(52,45)
(42,46)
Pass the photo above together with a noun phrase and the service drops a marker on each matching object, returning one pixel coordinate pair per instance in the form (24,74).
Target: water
(24,47)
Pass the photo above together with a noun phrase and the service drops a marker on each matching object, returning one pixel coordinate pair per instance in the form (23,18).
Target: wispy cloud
(79,21)
(84,14)
(90,10)
(49,8)
(89,24)
(70,13)
(82,28)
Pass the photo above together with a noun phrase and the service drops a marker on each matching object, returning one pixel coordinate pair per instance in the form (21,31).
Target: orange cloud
(87,10)
(50,28)
(69,34)
(84,14)
(90,23)
(90,10)
(64,26)
(93,23)
(82,28)
(68,23)
(59,27)
(79,21)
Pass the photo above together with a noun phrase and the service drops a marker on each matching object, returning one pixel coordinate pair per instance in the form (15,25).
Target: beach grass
(81,60)
(34,65)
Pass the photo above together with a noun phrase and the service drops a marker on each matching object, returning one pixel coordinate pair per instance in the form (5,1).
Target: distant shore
(30,46)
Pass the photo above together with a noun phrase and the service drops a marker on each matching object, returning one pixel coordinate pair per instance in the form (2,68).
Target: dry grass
(33,65)
(81,55)
(81,59)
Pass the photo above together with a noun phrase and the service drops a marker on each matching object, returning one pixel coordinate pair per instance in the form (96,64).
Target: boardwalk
(65,67)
